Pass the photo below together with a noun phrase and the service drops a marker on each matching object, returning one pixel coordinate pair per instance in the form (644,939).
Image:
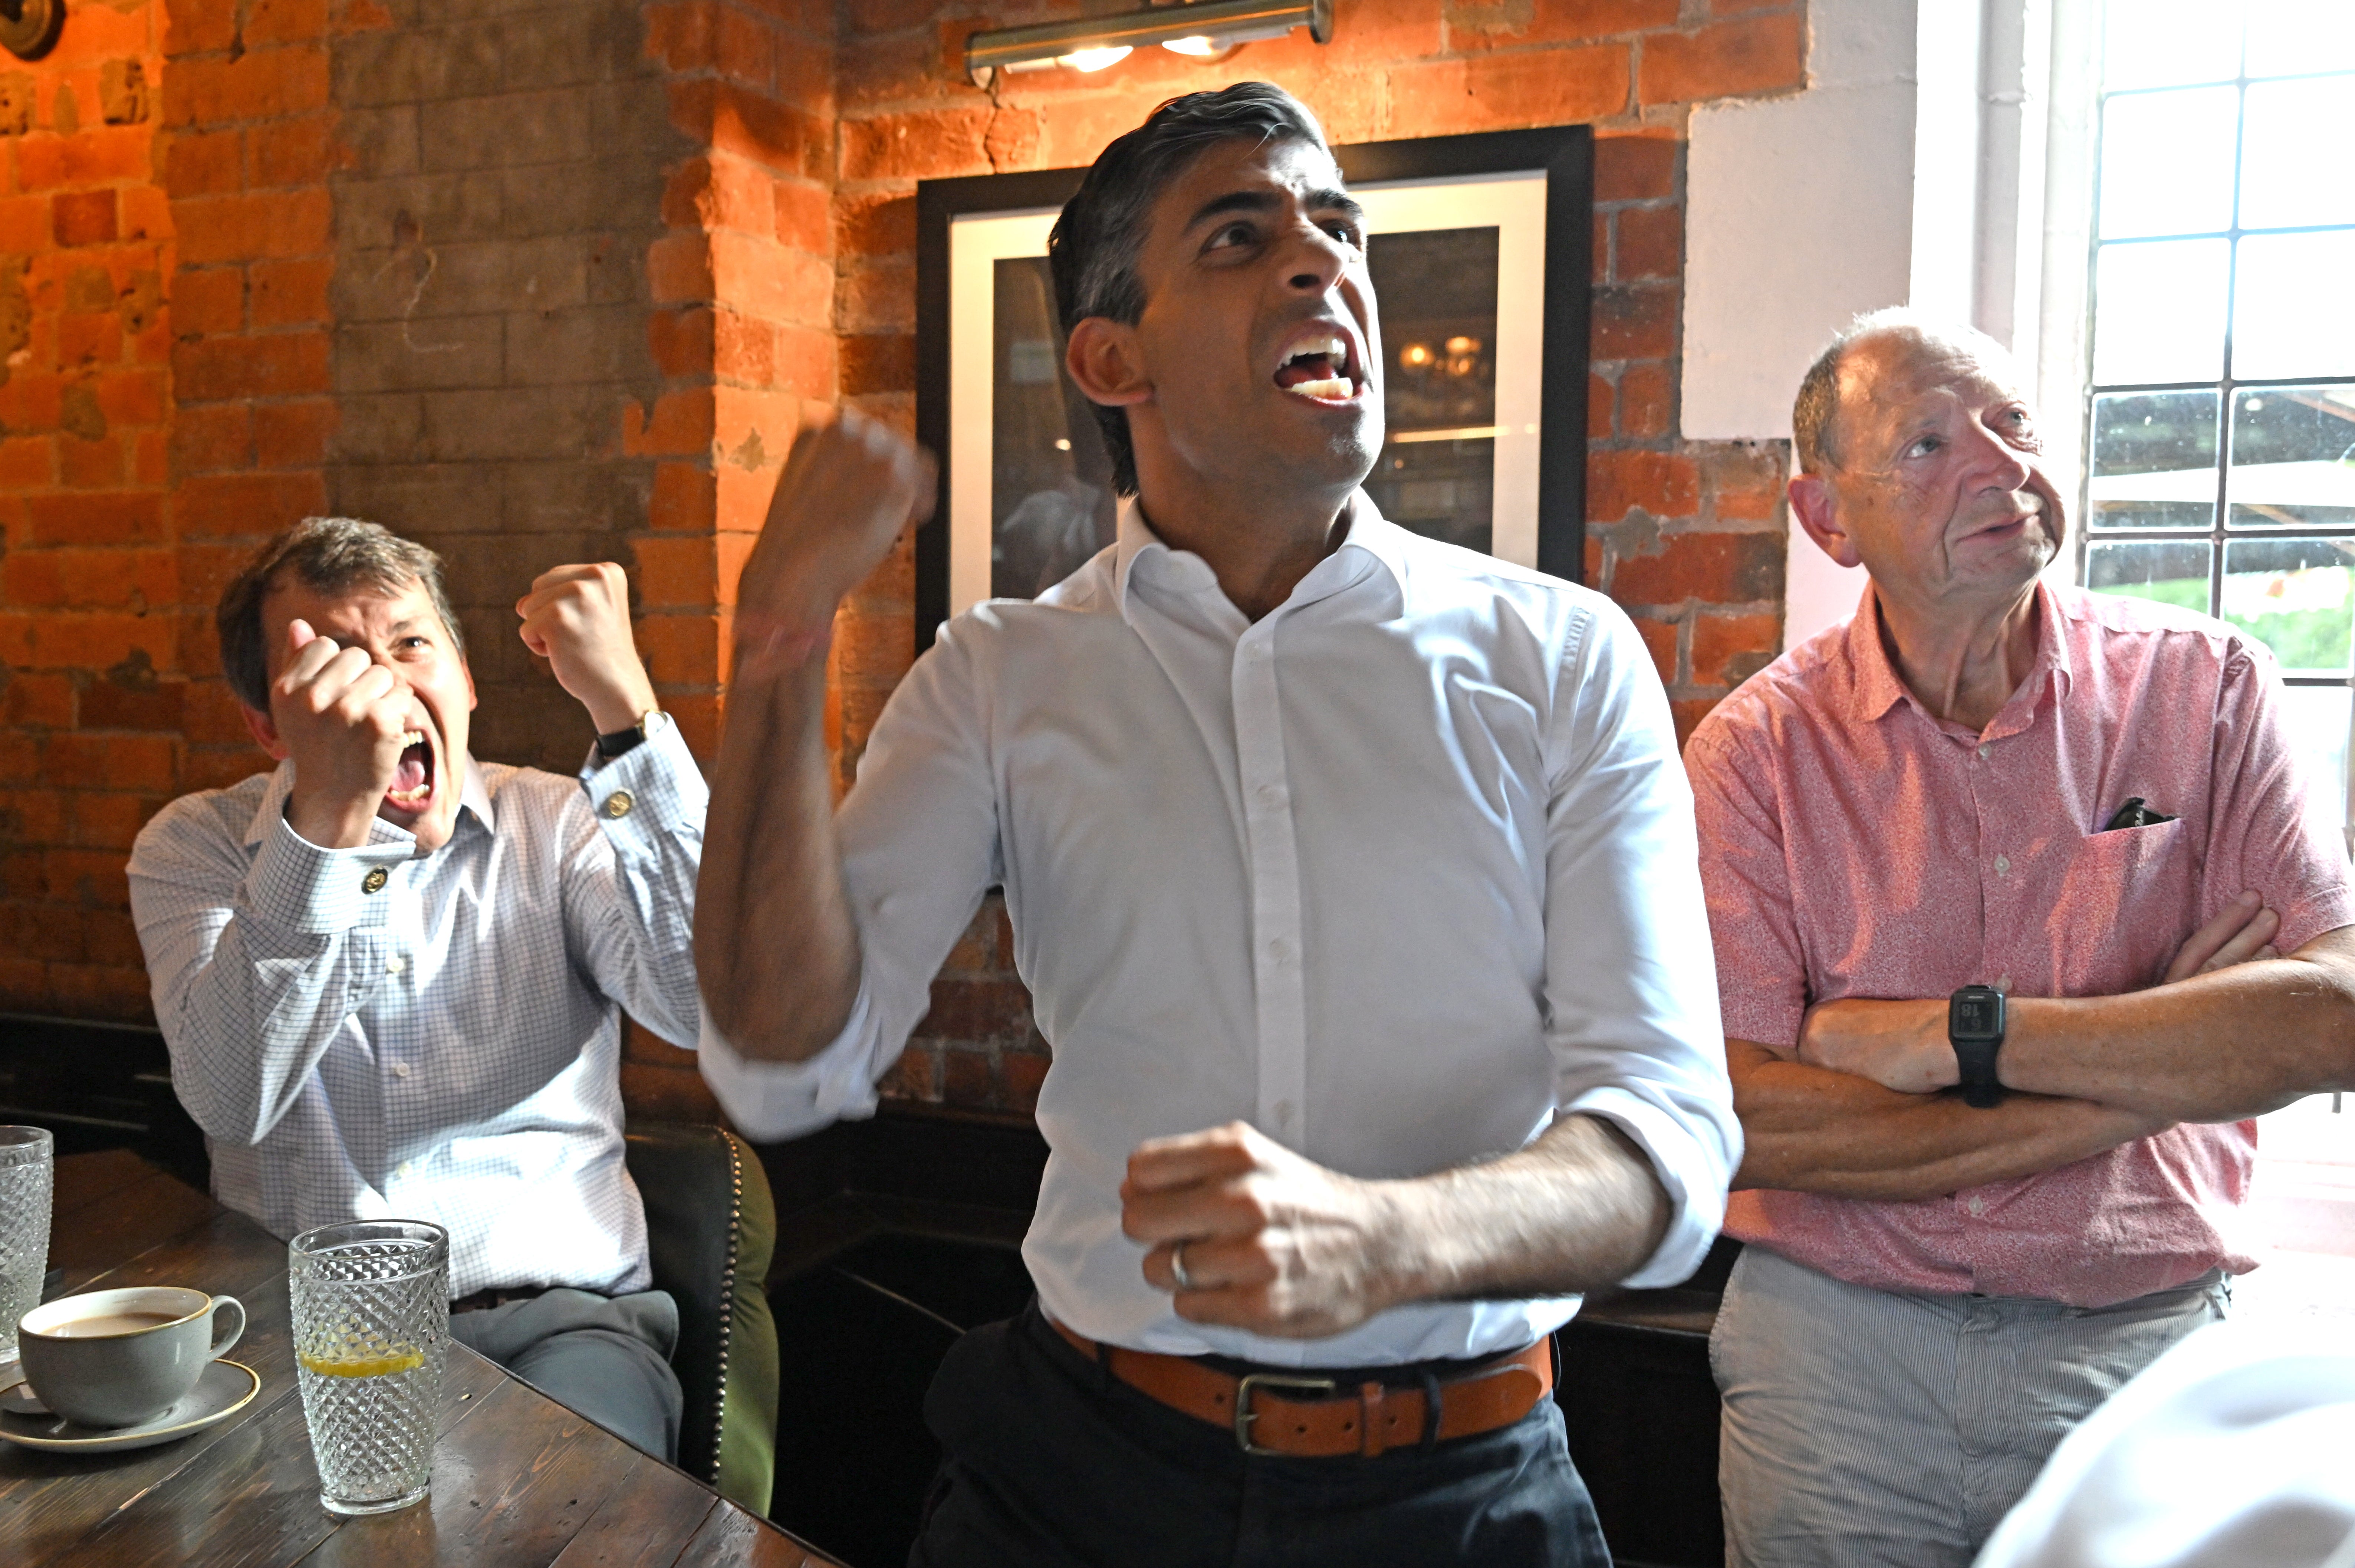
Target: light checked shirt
(1397,874)
(365,1034)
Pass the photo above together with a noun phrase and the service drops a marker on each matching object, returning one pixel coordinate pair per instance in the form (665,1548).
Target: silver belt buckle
(1316,1388)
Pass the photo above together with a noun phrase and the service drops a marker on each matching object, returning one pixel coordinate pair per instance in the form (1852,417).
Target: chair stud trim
(727,1297)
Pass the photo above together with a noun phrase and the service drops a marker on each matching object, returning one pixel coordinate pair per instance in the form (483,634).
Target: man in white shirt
(391,977)
(1353,876)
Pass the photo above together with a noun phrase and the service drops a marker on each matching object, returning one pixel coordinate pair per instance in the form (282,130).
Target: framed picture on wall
(1480,248)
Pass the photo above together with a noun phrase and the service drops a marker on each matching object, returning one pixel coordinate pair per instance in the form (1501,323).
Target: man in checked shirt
(2019,913)
(391,976)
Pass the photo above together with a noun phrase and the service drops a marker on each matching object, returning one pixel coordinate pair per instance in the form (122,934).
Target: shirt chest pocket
(2124,904)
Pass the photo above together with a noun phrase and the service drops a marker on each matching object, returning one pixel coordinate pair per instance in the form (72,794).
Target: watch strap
(621,742)
(1975,1027)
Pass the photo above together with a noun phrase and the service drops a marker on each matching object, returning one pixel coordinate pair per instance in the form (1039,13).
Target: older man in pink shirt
(2019,914)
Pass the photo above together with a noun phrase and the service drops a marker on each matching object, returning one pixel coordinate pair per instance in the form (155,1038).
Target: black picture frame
(1563,154)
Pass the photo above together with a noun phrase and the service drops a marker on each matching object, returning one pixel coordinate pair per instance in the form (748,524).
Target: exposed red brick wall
(1688,537)
(89,584)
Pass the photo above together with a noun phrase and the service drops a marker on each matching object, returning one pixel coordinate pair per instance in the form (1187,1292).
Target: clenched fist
(578,619)
(347,721)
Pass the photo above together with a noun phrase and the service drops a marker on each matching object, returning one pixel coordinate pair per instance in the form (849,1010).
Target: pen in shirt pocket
(2135,812)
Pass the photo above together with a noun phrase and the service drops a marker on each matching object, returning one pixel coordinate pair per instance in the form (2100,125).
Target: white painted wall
(1913,170)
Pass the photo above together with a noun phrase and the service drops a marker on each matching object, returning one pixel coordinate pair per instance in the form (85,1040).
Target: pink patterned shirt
(1854,846)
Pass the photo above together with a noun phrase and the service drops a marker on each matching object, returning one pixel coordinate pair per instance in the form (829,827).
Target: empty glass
(26,1160)
(371,1333)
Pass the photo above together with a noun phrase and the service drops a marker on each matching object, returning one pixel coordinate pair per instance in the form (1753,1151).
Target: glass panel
(1050,503)
(2293,596)
(2316,718)
(2296,313)
(1437,472)
(2154,461)
(2159,312)
(2294,166)
(2167,161)
(2168,43)
(2292,457)
(2174,573)
(2293,37)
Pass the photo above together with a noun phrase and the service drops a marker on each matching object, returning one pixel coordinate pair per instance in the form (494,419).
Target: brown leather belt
(1302,1414)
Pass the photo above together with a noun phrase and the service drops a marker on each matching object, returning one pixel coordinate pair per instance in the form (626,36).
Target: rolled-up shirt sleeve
(920,848)
(629,883)
(1631,989)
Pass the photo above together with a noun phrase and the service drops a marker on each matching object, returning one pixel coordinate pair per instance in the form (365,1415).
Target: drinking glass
(371,1333)
(26,1161)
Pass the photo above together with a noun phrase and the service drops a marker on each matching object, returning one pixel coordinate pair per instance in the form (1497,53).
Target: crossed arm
(2232,1030)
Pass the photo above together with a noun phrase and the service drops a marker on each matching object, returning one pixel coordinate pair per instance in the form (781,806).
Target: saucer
(226,1387)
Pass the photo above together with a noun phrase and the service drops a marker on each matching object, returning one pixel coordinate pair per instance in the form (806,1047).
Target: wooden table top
(518,1477)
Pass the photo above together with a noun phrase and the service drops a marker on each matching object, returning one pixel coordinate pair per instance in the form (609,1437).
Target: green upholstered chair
(711,1228)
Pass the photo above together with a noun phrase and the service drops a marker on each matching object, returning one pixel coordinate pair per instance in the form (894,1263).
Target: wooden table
(517,1478)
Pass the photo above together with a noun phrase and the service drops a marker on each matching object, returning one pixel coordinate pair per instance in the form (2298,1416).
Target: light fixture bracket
(986,54)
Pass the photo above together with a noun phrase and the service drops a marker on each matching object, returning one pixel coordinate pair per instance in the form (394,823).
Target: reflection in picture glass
(1052,505)
(1436,290)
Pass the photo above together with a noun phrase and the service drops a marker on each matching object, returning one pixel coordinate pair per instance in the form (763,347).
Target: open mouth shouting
(413,779)
(1322,365)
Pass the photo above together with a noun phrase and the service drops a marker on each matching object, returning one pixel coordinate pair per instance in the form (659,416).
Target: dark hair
(1094,248)
(332,555)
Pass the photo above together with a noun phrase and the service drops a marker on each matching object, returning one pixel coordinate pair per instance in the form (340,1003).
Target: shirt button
(375,881)
(1280,950)
(619,803)
(2004,985)
(400,1069)
(1284,1113)
(2002,865)
(1986,752)
(395,964)
(1270,794)
(403,1171)
(1978,1206)
(1256,651)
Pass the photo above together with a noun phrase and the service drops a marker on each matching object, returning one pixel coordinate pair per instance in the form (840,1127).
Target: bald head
(1896,336)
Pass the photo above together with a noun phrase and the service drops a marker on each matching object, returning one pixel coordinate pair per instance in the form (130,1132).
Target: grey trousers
(1865,1429)
(605,1357)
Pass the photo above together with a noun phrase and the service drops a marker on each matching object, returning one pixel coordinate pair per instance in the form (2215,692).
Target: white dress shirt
(365,1034)
(1396,874)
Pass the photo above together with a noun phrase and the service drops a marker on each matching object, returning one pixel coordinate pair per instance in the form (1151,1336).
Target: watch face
(1977,1018)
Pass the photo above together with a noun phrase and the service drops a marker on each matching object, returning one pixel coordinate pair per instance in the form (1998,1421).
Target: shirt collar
(475,798)
(1371,537)
(1878,687)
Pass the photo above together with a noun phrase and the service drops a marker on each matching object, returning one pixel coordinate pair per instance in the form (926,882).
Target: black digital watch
(1975,1028)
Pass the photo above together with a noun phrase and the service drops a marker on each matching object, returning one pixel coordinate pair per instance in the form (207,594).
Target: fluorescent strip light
(1225,22)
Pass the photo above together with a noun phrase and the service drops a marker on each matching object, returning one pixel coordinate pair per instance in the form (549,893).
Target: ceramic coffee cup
(117,1358)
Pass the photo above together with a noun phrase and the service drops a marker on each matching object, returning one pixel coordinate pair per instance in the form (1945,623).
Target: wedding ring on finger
(1177,1267)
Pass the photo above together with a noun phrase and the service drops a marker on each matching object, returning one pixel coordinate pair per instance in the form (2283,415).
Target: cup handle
(223,1346)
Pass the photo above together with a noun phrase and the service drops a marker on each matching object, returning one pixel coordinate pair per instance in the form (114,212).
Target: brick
(681,341)
(877,362)
(28,462)
(247,504)
(290,152)
(83,761)
(82,217)
(24,225)
(88,339)
(915,145)
(682,499)
(1024,1072)
(1599,398)
(245,226)
(109,704)
(93,878)
(1472,25)
(209,299)
(802,216)
(291,293)
(1744,482)
(874,224)
(203,163)
(1715,569)
(1540,87)
(1660,642)
(1651,243)
(147,212)
(259,84)
(103,820)
(131,396)
(677,571)
(93,520)
(1646,392)
(98,465)
(194,27)
(281,365)
(679,426)
(293,434)
(1635,168)
(680,649)
(1756,55)
(1687,713)
(1730,649)
(678,269)
(1634,321)
(730,118)
(97,154)
(743,349)
(1663,484)
(283,21)
(977,1010)
(968,1081)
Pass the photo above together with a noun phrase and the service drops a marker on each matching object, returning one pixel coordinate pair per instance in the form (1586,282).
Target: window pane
(2168,43)
(2294,457)
(2293,37)
(2317,719)
(2159,312)
(2175,573)
(2296,311)
(2154,461)
(2292,595)
(2293,170)
(2167,161)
